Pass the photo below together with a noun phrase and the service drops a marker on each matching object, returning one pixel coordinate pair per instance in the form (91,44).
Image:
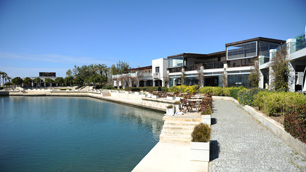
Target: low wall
(272,125)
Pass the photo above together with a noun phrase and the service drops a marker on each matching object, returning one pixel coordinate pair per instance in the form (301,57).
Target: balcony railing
(213,65)
(193,67)
(156,75)
(175,69)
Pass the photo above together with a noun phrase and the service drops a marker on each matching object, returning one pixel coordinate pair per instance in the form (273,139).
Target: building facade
(231,67)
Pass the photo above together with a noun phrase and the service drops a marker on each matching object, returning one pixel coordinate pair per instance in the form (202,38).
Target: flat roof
(141,68)
(278,41)
(195,55)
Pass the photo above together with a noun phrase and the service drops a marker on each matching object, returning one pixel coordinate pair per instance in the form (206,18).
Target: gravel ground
(240,143)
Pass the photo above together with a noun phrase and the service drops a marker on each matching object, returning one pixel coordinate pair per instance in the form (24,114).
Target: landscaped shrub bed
(278,103)
(246,96)
(148,89)
(295,123)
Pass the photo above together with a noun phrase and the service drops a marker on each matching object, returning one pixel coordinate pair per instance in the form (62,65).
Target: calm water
(74,134)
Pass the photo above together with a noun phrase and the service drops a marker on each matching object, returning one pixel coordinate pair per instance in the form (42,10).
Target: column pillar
(225,79)
(261,80)
(145,83)
(153,82)
(291,77)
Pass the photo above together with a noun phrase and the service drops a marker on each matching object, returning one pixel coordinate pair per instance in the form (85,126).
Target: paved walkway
(170,157)
(240,143)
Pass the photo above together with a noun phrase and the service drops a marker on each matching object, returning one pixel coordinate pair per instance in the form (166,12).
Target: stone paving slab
(240,143)
(170,157)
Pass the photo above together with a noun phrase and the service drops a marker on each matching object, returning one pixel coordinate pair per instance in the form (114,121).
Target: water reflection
(74,134)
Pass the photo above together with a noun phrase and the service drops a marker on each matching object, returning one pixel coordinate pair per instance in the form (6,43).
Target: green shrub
(107,87)
(169,106)
(246,96)
(206,90)
(217,91)
(227,91)
(1,88)
(278,102)
(164,89)
(207,111)
(128,88)
(151,89)
(173,89)
(201,133)
(234,92)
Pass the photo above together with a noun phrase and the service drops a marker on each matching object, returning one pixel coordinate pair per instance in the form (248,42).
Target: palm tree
(4,77)
(0,77)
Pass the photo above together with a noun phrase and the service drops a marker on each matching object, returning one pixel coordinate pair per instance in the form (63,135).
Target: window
(157,69)
(176,62)
(245,50)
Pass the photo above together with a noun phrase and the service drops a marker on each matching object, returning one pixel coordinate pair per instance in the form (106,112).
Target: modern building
(231,67)
(296,55)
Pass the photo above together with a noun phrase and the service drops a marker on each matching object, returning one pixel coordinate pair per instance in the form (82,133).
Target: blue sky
(54,35)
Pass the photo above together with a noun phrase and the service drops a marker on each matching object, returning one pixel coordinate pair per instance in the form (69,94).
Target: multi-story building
(296,55)
(230,67)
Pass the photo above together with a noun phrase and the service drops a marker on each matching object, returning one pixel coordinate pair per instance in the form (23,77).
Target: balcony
(156,75)
(175,69)
(213,65)
(193,67)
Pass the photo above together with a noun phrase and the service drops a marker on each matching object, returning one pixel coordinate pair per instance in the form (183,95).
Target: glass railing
(213,65)
(263,59)
(175,69)
(300,42)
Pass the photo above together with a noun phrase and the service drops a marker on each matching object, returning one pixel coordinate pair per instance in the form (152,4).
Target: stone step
(177,127)
(181,123)
(177,132)
(175,138)
(167,118)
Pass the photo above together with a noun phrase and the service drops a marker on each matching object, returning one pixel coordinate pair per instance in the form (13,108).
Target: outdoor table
(197,101)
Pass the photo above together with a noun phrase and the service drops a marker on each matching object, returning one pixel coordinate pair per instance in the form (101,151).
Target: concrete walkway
(240,143)
(170,157)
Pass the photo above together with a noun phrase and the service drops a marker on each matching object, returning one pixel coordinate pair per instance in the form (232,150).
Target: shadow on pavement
(214,150)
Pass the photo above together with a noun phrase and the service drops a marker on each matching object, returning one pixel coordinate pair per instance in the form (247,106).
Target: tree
(254,75)
(78,81)
(200,77)
(59,81)
(68,73)
(68,80)
(49,81)
(27,80)
(37,80)
(17,81)
(3,75)
(120,68)
(280,70)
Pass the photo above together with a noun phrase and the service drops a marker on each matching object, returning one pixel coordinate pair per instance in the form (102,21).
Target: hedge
(273,103)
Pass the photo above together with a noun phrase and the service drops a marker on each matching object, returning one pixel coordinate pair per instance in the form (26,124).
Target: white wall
(162,63)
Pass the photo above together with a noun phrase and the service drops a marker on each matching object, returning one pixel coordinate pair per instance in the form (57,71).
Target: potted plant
(177,106)
(206,116)
(170,110)
(199,146)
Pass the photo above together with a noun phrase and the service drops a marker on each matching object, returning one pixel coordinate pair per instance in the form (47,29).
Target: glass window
(245,50)
(157,69)
(176,62)
(238,80)
(264,48)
